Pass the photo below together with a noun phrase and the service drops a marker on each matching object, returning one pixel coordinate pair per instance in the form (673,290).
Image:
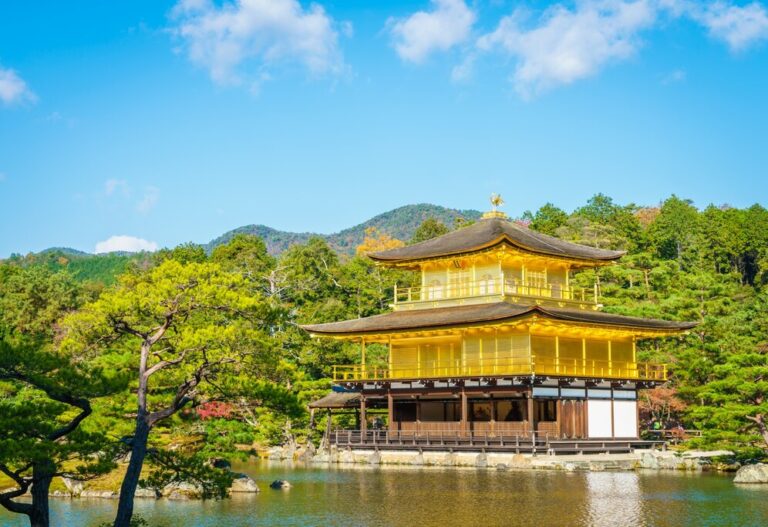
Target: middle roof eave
(478,314)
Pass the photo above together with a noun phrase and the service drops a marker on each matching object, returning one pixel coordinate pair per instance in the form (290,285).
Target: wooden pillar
(531,420)
(390,412)
(418,414)
(494,417)
(362,355)
(464,412)
(326,441)
(613,423)
(559,410)
(363,421)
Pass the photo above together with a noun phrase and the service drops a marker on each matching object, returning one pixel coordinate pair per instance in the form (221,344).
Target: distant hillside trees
(429,228)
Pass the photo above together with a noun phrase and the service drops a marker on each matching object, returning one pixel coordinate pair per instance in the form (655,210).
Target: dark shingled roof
(488,233)
(337,400)
(477,314)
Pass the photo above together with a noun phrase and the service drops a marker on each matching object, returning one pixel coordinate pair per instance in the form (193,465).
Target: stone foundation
(651,460)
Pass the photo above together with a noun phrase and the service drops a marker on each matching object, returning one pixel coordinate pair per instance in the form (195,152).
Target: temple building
(496,342)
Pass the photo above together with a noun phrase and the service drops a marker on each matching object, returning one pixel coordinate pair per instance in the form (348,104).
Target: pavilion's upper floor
(491,260)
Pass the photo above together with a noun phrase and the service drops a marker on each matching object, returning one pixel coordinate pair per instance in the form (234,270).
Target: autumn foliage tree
(375,241)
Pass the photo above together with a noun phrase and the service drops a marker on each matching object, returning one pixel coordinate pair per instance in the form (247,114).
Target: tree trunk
(132,475)
(39,516)
(761,426)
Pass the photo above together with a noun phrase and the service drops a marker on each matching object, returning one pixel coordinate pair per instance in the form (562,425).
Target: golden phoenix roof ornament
(496,201)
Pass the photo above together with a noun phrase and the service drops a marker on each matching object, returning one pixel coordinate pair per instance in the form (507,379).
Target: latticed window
(459,284)
(487,285)
(536,278)
(435,290)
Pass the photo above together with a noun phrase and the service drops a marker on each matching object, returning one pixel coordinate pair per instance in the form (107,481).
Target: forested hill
(399,223)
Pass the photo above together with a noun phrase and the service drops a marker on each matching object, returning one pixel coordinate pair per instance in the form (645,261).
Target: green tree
(193,330)
(674,233)
(247,254)
(44,396)
(733,404)
(45,399)
(547,219)
(428,229)
(185,253)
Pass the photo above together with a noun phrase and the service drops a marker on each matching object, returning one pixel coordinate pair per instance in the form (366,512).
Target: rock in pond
(182,491)
(146,493)
(752,474)
(243,483)
(106,494)
(280,484)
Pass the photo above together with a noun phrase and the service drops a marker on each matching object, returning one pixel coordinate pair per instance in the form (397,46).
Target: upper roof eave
(489,233)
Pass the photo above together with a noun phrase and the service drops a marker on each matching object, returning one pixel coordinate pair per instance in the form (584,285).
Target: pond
(422,497)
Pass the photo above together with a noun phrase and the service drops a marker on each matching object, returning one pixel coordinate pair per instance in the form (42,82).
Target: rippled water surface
(369,497)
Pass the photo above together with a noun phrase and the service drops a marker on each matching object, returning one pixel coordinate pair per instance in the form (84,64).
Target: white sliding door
(599,418)
(625,418)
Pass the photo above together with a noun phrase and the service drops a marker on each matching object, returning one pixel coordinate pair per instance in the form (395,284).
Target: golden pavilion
(495,344)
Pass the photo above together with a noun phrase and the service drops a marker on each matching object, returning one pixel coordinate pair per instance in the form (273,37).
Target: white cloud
(739,26)
(565,45)
(150,199)
(13,89)
(125,243)
(464,70)
(235,37)
(111,186)
(674,77)
(425,32)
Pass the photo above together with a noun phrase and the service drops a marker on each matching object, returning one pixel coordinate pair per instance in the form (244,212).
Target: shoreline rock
(752,474)
(244,484)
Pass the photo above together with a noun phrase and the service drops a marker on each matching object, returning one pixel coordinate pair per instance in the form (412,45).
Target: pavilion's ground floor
(520,413)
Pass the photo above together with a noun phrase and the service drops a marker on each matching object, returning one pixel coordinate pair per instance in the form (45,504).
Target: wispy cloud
(673,77)
(112,186)
(241,40)
(149,200)
(570,40)
(563,44)
(448,24)
(124,243)
(738,26)
(3,177)
(13,89)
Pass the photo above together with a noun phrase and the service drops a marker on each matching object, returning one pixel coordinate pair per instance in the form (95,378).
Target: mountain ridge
(399,223)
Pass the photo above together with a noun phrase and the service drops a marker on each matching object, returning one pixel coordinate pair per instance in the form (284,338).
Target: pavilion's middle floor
(574,351)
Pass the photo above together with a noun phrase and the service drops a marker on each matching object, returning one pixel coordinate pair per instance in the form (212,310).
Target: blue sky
(165,122)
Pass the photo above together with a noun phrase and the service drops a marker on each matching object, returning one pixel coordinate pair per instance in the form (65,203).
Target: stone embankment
(242,483)
(693,461)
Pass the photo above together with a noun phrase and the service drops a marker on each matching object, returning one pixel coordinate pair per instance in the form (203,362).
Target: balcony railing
(498,287)
(500,366)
